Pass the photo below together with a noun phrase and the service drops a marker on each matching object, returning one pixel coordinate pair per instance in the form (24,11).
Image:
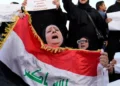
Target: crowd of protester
(82,34)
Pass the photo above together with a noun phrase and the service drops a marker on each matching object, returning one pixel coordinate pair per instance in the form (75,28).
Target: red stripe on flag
(76,61)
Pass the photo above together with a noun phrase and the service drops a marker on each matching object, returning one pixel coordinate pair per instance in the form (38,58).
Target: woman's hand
(104,59)
(24,3)
(57,3)
(21,15)
(111,66)
(108,20)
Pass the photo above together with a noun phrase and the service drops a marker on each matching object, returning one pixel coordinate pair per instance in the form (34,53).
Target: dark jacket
(81,26)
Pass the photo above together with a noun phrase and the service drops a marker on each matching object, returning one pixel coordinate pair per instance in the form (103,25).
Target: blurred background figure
(114,39)
(101,7)
(83,43)
(81,25)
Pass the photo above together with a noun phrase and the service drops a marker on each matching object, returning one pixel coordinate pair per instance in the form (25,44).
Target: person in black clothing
(113,40)
(41,19)
(80,24)
(101,8)
(83,43)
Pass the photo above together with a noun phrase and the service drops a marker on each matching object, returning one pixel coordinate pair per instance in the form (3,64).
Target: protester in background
(48,17)
(100,6)
(83,43)
(114,39)
(81,25)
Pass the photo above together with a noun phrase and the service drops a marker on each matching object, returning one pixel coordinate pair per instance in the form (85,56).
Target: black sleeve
(70,8)
(110,9)
(62,16)
(74,12)
(61,20)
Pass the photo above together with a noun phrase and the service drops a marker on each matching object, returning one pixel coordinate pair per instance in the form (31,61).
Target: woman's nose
(82,42)
(54,31)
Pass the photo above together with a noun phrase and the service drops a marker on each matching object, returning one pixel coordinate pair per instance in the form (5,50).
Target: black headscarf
(114,8)
(43,37)
(89,47)
(85,6)
(43,34)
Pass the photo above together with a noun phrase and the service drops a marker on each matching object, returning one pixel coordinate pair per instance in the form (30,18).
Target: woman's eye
(48,31)
(57,30)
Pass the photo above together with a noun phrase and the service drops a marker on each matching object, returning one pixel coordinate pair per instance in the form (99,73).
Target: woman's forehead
(83,38)
(51,26)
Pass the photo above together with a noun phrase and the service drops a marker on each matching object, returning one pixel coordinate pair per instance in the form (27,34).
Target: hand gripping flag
(23,51)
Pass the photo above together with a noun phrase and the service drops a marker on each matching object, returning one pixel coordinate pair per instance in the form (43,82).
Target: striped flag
(23,51)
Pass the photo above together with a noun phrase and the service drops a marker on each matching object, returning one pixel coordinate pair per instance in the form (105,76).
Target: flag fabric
(23,51)
(9,78)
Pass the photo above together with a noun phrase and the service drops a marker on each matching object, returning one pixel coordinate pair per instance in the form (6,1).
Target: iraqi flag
(23,51)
